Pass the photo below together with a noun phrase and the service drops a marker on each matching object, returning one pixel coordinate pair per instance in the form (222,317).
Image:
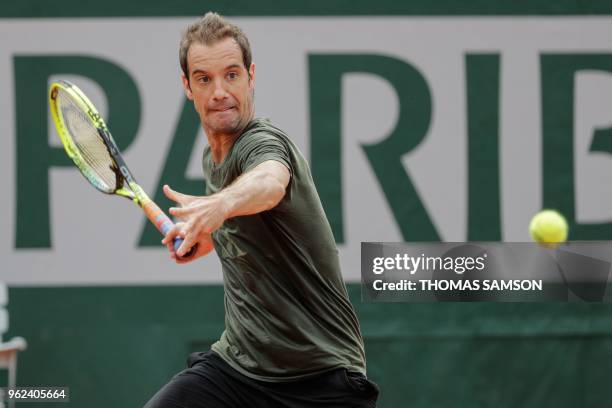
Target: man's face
(220,86)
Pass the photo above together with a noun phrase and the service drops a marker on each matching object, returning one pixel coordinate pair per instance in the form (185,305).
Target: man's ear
(252,75)
(187,87)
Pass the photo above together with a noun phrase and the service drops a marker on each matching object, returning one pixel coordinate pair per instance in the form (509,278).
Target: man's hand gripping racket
(90,145)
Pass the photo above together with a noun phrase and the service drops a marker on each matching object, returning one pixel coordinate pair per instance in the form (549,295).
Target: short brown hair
(208,30)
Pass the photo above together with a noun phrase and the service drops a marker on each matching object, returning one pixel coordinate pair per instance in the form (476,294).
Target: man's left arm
(257,190)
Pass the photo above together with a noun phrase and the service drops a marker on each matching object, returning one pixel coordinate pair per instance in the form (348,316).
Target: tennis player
(291,336)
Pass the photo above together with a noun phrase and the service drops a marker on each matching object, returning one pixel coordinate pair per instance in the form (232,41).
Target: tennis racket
(90,145)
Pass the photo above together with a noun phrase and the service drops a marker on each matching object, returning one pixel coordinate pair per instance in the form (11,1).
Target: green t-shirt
(287,313)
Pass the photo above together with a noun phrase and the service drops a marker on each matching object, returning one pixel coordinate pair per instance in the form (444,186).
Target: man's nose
(220,91)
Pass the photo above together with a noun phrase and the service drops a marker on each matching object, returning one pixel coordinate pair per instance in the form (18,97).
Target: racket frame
(133,191)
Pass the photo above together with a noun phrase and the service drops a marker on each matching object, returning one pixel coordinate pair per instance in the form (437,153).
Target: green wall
(109,8)
(115,346)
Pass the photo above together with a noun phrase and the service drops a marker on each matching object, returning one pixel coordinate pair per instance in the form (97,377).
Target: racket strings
(89,142)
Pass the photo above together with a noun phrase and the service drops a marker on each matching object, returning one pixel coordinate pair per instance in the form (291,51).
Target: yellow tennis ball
(548,227)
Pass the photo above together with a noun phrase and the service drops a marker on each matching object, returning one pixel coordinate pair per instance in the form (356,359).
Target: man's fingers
(170,193)
(171,250)
(185,246)
(168,238)
(176,231)
(180,211)
(182,199)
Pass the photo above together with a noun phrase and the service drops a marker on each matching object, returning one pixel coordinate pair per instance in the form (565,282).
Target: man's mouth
(223,109)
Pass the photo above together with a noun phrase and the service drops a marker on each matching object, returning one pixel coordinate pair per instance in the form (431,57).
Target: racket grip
(165,224)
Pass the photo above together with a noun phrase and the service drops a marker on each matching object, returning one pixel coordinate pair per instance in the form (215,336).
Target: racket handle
(164,224)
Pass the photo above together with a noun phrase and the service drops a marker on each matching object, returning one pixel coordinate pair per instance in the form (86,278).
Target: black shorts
(209,382)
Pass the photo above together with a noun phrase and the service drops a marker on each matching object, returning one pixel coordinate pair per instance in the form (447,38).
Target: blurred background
(428,121)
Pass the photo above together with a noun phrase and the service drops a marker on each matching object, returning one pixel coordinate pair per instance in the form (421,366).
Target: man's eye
(232,75)
(204,79)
